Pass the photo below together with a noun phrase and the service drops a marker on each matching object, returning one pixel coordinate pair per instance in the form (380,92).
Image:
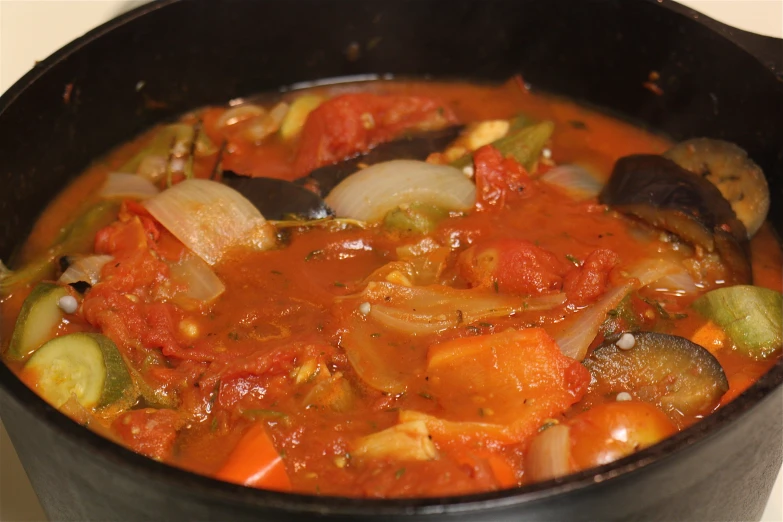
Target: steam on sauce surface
(484,300)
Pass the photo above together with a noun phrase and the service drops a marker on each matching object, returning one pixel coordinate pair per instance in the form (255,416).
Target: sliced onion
(575,180)
(649,271)
(406,441)
(152,167)
(258,128)
(239,113)
(549,454)
(681,283)
(85,269)
(579,330)
(197,277)
(372,192)
(376,364)
(412,323)
(121,185)
(434,308)
(210,218)
(459,431)
(664,275)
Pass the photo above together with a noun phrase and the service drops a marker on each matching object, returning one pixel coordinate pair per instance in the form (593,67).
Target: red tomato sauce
(283,383)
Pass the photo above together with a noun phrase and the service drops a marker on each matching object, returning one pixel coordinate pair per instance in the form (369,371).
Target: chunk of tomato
(149,431)
(513,266)
(498,179)
(585,284)
(353,123)
(614,430)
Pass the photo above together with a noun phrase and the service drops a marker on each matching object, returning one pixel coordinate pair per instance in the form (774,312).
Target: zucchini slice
(37,320)
(751,316)
(85,365)
(678,376)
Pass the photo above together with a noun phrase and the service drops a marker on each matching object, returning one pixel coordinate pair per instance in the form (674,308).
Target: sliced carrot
(502,470)
(255,462)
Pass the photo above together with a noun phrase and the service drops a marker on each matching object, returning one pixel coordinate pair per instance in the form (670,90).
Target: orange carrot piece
(256,463)
(503,471)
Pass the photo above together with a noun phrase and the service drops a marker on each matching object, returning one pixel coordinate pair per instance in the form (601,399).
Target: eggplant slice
(729,168)
(678,376)
(414,147)
(278,199)
(659,192)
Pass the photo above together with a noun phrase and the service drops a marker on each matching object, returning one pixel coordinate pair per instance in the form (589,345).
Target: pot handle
(766,49)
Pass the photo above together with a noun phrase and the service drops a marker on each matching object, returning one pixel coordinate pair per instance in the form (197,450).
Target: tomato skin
(353,123)
(498,179)
(515,265)
(614,430)
(586,283)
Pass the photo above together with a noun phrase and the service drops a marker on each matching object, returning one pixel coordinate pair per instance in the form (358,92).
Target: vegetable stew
(398,289)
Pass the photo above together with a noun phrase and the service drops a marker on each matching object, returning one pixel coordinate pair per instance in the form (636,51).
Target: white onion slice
(262,126)
(579,330)
(576,181)
(429,309)
(201,282)
(549,454)
(680,283)
(122,185)
(664,275)
(152,167)
(86,269)
(372,192)
(210,218)
(378,366)
(649,271)
(236,114)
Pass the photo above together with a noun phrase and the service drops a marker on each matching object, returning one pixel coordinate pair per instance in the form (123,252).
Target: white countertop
(32,29)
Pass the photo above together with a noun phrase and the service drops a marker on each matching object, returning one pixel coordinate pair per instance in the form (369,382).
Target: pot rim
(301,503)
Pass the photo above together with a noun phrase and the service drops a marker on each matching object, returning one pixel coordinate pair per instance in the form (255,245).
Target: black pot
(191,53)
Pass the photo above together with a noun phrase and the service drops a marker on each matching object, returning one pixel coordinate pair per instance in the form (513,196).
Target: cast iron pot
(193,53)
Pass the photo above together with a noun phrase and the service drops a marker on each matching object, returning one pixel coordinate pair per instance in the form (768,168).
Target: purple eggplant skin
(413,146)
(659,192)
(278,199)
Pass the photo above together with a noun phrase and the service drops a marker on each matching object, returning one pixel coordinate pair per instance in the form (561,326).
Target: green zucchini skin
(677,375)
(87,366)
(750,315)
(37,320)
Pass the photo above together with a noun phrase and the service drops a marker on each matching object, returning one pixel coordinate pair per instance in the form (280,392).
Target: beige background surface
(32,29)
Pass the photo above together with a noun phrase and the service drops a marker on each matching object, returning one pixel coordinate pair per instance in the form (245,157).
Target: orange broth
(282,310)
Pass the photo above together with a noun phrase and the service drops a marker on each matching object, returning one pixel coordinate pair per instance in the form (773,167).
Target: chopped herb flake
(314,254)
(256,413)
(573,260)
(339,284)
(496,286)
(400,472)
(425,395)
